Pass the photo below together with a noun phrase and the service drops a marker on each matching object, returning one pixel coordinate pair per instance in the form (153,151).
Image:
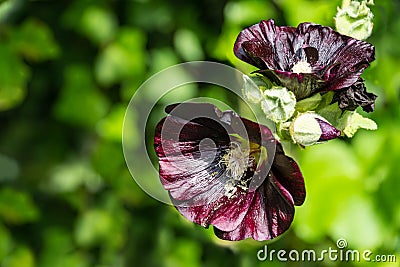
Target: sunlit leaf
(94,226)
(122,59)
(110,127)
(188,45)
(59,250)
(80,102)
(17,207)
(6,242)
(35,41)
(21,256)
(13,78)
(9,168)
(98,24)
(70,176)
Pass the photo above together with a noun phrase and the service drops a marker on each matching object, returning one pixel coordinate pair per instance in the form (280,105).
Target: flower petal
(265,46)
(288,173)
(270,214)
(224,213)
(351,56)
(186,169)
(324,39)
(354,96)
(329,132)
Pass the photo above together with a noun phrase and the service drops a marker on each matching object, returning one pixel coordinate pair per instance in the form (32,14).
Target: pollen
(302,67)
(236,161)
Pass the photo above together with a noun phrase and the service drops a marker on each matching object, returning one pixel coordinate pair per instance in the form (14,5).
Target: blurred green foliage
(67,72)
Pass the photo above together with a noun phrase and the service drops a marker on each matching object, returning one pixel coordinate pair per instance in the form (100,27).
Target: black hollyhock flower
(226,171)
(355,96)
(307,59)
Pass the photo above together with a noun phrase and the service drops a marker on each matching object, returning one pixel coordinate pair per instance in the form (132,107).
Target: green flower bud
(278,104)
(309,128)
(355,19)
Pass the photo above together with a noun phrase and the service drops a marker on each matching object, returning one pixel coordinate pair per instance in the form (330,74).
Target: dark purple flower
(355,96)
(307,59)
(215,166)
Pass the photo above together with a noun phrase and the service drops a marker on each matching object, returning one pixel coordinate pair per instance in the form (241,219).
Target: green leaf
(22,256)
(94,226)
(110,127)
(251,90)
(35,41)
(80,101)
(188,45)
(67,177)
(9,168)
(58,249)
(278,104)
(331,113)
(6,242)
(98,24)
(14,76)
(185,252)
(352,121)
(326,99)
(7,9)
(123,59)
(308,104)
(17,207)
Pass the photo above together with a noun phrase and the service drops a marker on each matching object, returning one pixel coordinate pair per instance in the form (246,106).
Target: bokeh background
(67,72)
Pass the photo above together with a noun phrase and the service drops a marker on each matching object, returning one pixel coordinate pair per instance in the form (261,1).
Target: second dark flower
(308,59)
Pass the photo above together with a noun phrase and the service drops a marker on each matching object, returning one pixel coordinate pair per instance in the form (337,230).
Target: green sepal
(308,104)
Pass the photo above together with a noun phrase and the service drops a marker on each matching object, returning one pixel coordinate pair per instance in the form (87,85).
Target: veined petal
(270,214)
(288,173)
(188,167)
(224,213)
(258,45)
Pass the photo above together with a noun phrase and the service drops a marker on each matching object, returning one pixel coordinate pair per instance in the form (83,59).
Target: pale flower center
(236,161)
(302,67)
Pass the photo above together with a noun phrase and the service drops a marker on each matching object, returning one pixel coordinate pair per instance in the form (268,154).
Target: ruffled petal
(224,213)
(324,39)
(270,214)
(265,46)
(355,96)
(288,173)
(184,169)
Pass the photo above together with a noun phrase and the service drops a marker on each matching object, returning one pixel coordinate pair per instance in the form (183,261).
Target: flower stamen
(302,67)
(236,161)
